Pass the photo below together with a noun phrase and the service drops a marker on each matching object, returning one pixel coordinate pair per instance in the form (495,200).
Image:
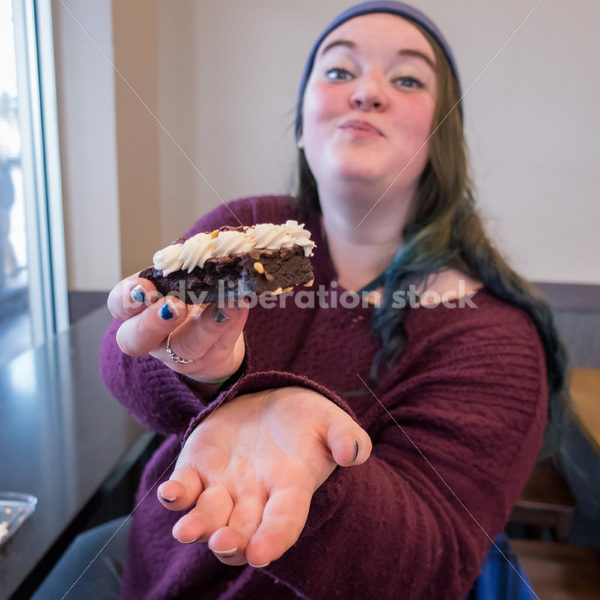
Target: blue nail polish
(220,317)
(168,311)
(168,500)
(137,293)
(355,450)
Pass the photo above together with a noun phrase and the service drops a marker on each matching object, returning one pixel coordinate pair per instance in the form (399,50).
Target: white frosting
(196,251)
(168,259)
(271,237)
(199,248)
(300,235)
(231,242)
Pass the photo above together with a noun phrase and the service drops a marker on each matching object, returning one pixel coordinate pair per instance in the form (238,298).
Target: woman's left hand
(250,469)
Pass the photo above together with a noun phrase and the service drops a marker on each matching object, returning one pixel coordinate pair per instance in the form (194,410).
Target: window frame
(40,160)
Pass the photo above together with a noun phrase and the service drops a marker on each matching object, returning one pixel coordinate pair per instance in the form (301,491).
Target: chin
(359,176)
(354,169)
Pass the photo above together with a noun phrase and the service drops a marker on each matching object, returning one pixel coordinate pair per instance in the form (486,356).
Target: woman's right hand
(210,336)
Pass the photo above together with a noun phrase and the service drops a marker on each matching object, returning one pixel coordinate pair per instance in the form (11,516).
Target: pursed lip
(360,125)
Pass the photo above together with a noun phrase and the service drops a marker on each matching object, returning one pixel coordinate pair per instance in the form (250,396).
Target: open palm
(249,471)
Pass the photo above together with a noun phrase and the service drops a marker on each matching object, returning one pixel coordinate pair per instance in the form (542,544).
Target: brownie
(242,274)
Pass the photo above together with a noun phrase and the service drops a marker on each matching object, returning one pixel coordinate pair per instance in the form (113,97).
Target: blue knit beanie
(364,8)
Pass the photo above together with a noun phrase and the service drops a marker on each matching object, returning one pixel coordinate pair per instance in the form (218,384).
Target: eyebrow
(403,52)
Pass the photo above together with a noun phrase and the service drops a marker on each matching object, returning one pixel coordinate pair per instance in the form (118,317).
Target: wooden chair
(546,501)
(585,394)
(560,571)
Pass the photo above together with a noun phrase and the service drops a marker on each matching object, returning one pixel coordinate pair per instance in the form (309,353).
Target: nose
(368,93)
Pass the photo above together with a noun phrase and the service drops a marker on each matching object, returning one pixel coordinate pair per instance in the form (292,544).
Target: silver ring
(175,357)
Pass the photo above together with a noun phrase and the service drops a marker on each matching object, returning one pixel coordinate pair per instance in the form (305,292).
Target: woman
(434,407)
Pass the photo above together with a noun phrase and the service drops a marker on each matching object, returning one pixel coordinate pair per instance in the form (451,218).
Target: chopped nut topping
(258,267)
(215,233)
(288,289)
(309,283)
(268,276)
(277,291)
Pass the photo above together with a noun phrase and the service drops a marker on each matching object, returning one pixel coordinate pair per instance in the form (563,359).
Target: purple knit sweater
(456,425)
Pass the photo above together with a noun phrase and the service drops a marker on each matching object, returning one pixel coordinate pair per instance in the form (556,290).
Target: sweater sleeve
(151,391)
(264,380)
(453,442)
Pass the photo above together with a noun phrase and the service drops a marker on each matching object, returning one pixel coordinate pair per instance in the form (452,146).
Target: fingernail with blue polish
(355,450)
(168,311)
(138,295)
(168,500)
(220,317)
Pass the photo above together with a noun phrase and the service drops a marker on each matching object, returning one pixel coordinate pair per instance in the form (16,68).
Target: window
(33,294)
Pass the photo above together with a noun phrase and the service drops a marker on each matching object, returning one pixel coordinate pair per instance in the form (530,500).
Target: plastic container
(15,507)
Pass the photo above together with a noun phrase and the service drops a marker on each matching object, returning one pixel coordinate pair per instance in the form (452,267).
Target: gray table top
(62,438)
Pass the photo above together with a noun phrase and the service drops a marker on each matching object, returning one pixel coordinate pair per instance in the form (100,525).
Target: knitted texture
(456,425)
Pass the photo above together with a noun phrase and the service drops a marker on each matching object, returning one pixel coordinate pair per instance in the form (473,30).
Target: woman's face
(369,103)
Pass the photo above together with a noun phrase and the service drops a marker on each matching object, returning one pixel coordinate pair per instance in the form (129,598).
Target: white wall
(534,131)
(228,73)
(227,76)
(86,119)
